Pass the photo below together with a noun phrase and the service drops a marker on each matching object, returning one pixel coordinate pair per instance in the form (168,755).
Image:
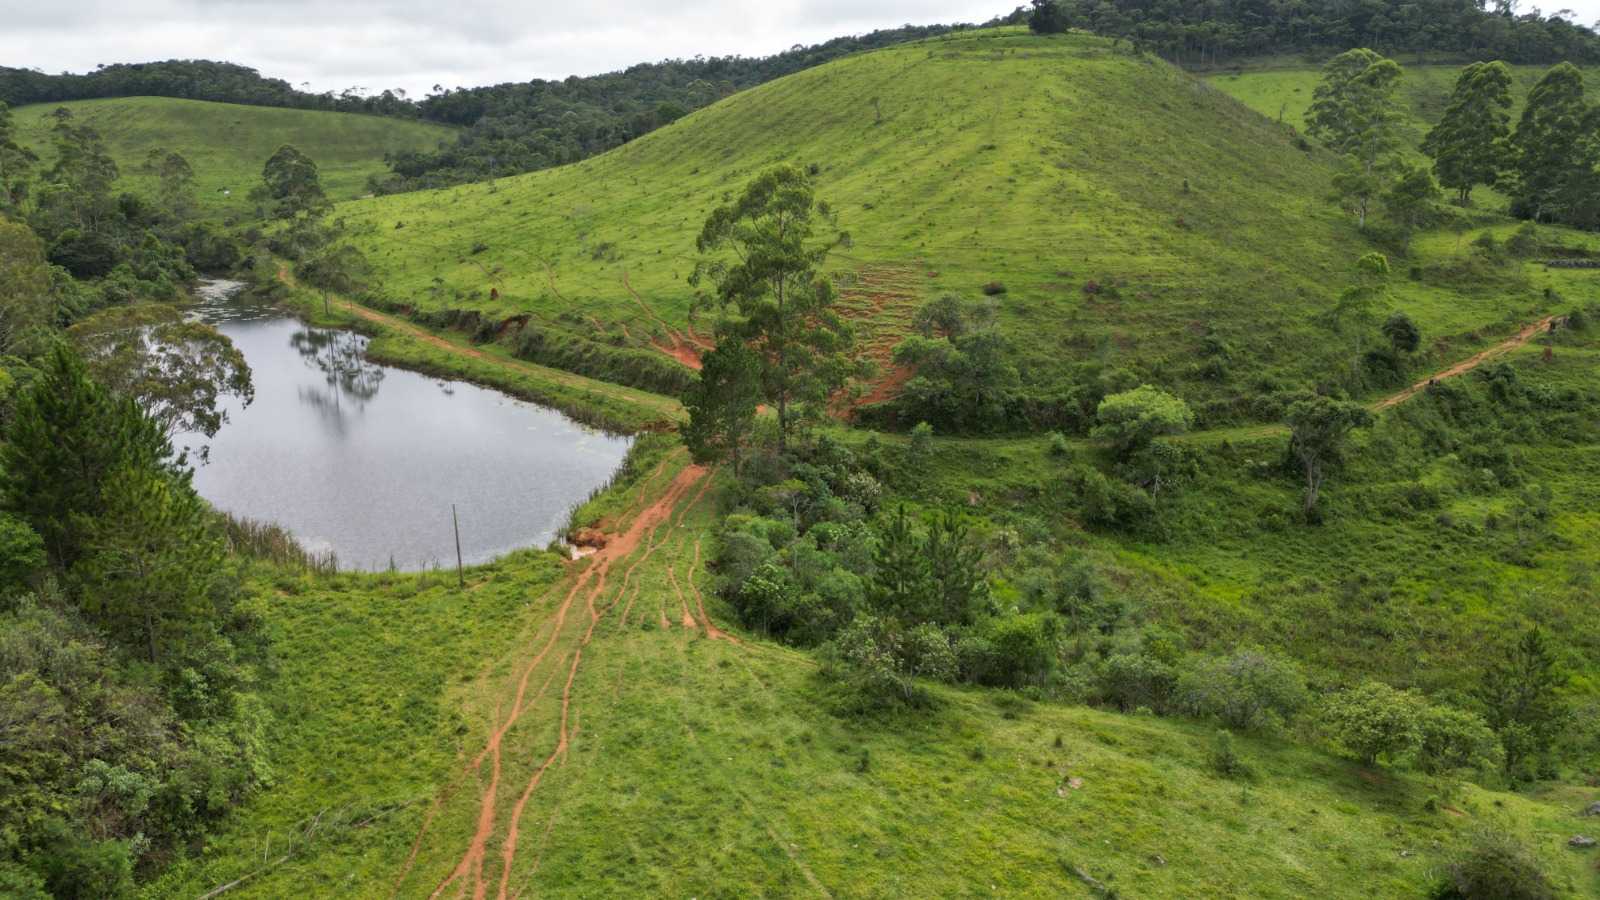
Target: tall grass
(272,543)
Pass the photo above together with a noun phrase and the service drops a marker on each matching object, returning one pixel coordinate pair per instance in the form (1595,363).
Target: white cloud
(416,44)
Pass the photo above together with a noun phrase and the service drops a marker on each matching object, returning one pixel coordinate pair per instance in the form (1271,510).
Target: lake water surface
(366,460)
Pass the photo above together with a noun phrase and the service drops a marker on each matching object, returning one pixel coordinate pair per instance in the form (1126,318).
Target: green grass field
(1131,211)
(1283,93)
(581,728)
(226,144)
(693,766)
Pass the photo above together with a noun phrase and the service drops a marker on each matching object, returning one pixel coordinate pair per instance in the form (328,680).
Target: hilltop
(226,143)
(1120,212)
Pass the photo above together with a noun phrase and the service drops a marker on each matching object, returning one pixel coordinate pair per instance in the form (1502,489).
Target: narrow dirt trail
(591,586)
(559,376)
(1472,362)
(685,346)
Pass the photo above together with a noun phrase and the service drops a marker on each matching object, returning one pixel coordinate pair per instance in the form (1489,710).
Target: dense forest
(189,79)
(1203,32)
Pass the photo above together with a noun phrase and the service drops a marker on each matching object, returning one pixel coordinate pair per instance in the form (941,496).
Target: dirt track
(1467,365)
(556,656)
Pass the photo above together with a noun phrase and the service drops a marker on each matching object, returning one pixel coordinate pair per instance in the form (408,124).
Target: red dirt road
(590,584)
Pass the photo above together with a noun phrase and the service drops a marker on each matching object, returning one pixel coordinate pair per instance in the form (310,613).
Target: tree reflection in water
(341,358)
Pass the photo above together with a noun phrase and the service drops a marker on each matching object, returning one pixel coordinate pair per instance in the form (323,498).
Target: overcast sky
(415,44)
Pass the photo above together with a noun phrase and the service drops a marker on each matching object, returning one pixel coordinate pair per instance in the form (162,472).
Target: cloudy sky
(415,44)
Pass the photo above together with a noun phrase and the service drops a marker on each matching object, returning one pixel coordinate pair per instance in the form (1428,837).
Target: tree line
(129,655)
(1210,32)
(1548,165)
(191,79)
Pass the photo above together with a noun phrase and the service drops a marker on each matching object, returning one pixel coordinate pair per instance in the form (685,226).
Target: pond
(365,460)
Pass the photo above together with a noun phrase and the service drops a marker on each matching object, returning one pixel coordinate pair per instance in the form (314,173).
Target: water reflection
(371,473)
(348,378)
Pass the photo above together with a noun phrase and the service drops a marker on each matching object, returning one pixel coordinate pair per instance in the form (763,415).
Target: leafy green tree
(1132,419)
(1357,188)
(722,404)
(785,308)
(1374,720)
(178,370)
(21,555)
(1555,155)
(1319,429)
(902,578)
(16,163)
(26,307)
(175,181)
(1355,314)
(1354,111)
(1048,17)
(151,561)
(291,184)
(340,269)
(1455,740)
(1248,690)
(1403,334)
(1521,694)
(1409,199)
(1469,146)
(81,178)
(68,438)
(966,383)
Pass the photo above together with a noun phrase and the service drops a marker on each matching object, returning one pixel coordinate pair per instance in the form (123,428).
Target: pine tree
(722,403)
(1470,146)
(1522,696)
(902,582)
(150,564)
(68,437)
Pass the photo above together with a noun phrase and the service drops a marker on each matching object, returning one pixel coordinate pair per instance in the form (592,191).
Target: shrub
(1247,691)
(1496,867)
(1108,503)
(1131,679)
(1374,720)
(21,553)
(1454,739)
(1132,419)
(1225,758)
(865,662)
(1010,651)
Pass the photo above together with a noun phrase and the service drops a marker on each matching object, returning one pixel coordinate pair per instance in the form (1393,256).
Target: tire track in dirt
(712,631)
(684,348)
(593,577)
(550,275)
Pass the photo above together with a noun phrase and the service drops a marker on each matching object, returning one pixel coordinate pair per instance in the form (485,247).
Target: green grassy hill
(1134,215)
(582,729)
(226,144)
